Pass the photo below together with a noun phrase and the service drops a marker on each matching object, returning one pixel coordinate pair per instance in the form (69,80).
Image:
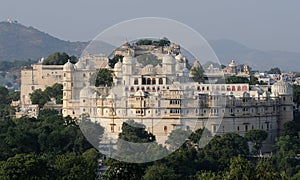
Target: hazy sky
(265,25)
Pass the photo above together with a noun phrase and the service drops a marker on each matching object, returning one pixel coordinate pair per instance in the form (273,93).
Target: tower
(284,91)
(68,71)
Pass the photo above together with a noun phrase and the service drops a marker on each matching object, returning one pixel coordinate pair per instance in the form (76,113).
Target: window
(238,128)
(160,81)
(165,128)
(136,82)
(246,128)
(153,81)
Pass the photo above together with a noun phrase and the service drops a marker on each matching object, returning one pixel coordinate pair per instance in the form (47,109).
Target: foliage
(115,59)
(160,172)
(274,70)
(236,79)
(159,43)
(42,97)
(103,77)
(257,137)
(59,59)
(265,170)
(25,166)
(291,128)
(146,59)
(240,168)
(72,166)
(285,157)
(14,65)
(221,149)
(296,94)
(45,147)
(177,138)
(198,74)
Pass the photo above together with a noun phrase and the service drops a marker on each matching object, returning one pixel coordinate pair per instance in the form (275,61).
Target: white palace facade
(164,98)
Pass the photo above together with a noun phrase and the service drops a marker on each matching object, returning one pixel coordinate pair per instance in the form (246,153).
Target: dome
(68,66)
(179,57)
(87,92)
(232,63)
(282,87)
(128,60)
(168,59)
(80,64)
(118,65)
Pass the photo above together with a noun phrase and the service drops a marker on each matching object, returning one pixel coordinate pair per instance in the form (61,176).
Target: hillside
(227,50)
(18,42)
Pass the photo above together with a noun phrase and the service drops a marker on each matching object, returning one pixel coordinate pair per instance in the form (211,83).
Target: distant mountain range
(19,42)
(228,50)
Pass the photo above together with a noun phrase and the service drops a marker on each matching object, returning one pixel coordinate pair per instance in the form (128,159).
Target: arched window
(148,81)
(160,81)
(153,81)
(239,88)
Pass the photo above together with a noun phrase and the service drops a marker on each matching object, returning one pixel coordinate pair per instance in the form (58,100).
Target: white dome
(128,60)
(232,63)
(179,57)
(168,59)
(282,87)
(118,65)
(68,66)
(87,92)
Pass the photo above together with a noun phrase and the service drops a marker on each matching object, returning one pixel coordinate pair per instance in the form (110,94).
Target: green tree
(39,97)
(291,128)
(256,137)
(285,156)
(221,149)
(240,168)
(177,138)
(236,79)
(4,96)
(265,170)
(103,77)
(72,166)
(115,59)
(275,70)
(296,94)
(160,172)
(24,166)
(59,59)
(198,74)
(146,59)
(131,132)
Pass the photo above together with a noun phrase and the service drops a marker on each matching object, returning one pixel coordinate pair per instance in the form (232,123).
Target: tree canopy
(274,70)
(58,58)
(42,97)
(103,77)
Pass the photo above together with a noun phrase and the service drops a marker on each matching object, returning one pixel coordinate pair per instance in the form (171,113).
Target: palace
(163,97)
